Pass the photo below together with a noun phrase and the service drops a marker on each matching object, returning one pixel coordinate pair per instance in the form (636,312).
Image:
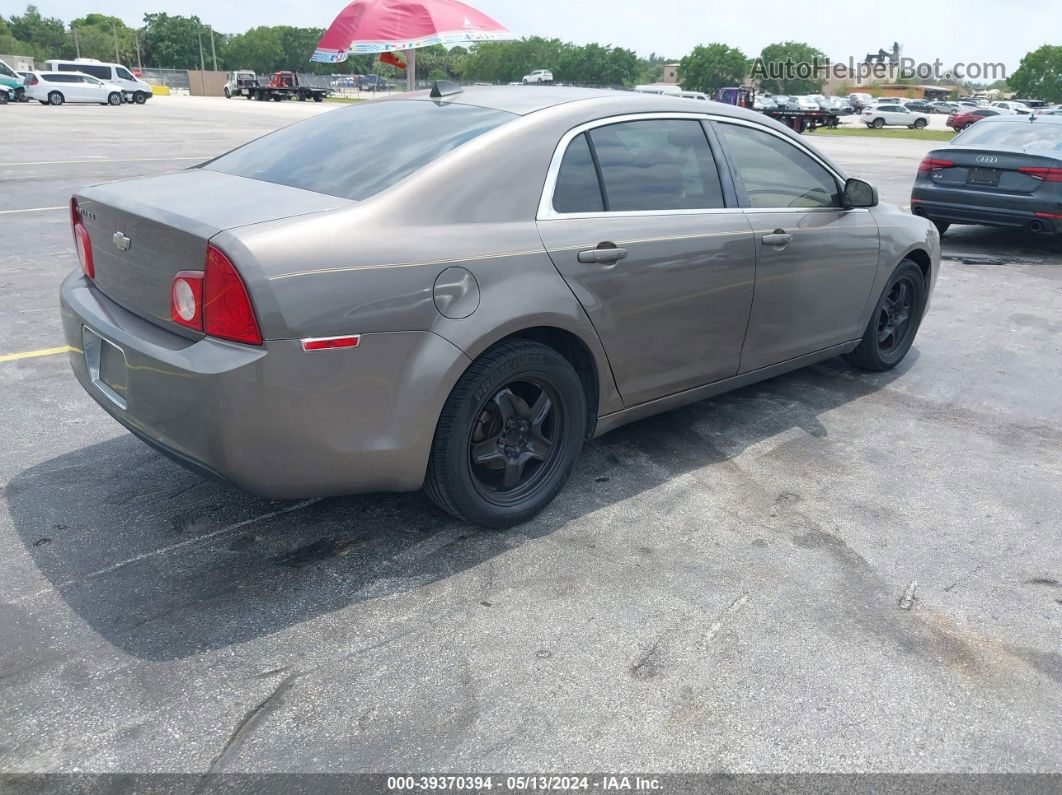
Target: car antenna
(444,88)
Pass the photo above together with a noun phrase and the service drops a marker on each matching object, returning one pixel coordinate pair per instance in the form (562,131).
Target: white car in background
(893,115)
(56,88)
(133,88)
(1013,107)
(538,76)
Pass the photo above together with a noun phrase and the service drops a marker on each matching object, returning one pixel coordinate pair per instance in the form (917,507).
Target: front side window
(123,73)
(656,165)
(775,173)
(356,152)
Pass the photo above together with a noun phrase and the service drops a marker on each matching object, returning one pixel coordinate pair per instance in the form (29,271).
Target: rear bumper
(928,204)
(274,420)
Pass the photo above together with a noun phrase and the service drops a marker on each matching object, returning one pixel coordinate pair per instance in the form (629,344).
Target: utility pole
(202,63)
(213,53)
(77,44)
(117,57)
(136,38)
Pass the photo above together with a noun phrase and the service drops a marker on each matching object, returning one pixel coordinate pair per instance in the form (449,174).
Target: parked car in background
(918,106)
(694,95)
(240,316)
(133,88)
(1048,111)
(538,76)
(1006,171)
(805,103)
(941,106)
(964,117)
(893,115)
(840,105)
(12,81)
(1032,104)
(860,101)
(763,103)
(57,88)
(1013,107)
(373,83)
(786,102)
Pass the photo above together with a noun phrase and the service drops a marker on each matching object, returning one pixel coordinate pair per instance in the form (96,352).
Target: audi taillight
(215,301)
(1045,174)
(81,240)
(932,164)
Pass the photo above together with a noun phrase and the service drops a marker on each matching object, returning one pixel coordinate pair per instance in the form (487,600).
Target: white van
(134,89)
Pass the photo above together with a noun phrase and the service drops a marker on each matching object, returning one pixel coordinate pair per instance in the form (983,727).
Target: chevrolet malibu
(455,290)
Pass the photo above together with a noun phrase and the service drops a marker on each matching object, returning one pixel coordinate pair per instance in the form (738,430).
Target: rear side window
(775,173)
(656,165)
(356,152)
(1018,134)
(578,190)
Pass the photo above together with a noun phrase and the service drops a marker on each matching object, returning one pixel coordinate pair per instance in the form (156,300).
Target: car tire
(114,98)
(139,97)
(43,101)
(20,95)
(318,98)
(878,123)
(894,321)
(4,99)
(942,226)
(919,124)
(525,82)
(521,410)
(55,98)
(228,94)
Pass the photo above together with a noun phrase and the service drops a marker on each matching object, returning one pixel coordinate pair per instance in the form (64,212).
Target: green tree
(47,35)
(260,49)
(712,66)
(96,34)
(1039,75)
(777,57)
(173,42)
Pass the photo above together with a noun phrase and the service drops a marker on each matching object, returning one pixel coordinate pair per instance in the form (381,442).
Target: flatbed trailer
(800,120)
(290,85)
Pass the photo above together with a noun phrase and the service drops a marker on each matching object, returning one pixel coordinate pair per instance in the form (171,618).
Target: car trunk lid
(995,169)
(145,231)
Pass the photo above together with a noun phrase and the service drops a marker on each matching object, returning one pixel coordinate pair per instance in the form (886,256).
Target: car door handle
(603,253)
(777,238)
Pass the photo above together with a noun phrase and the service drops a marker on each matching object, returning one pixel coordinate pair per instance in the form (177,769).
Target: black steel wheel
(508,435)
(894,322)
(139,97)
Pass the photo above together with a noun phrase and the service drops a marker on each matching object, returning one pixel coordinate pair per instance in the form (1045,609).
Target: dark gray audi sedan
(455,290)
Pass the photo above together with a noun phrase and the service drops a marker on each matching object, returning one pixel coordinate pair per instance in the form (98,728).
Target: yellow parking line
(10,357)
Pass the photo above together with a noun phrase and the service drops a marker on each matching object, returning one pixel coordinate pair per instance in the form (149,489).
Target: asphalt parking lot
(829,571)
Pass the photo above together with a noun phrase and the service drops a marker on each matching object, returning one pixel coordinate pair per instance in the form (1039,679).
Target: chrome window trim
(545,204)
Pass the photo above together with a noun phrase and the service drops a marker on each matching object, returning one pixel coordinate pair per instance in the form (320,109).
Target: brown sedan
(454,291)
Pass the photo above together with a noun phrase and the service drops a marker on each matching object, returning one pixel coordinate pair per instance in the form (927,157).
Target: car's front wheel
(894,322)
(919,124)
(139,97)
(508,435)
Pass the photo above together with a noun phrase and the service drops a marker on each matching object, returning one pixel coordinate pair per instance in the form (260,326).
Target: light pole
(213,53)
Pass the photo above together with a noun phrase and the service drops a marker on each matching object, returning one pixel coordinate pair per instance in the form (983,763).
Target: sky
(951,30)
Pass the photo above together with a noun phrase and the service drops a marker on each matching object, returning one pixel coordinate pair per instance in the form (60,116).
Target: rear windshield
(358,151)
(1018,134)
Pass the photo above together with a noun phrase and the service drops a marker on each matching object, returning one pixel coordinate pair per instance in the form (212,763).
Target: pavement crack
(728,611)
(249,722)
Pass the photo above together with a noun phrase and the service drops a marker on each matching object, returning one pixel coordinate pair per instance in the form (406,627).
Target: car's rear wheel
(508,435)
(878,123)
(114,98)
(919,124)
(55,98)
(894,322)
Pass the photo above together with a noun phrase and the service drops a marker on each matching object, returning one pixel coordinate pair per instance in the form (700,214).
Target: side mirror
(858,193)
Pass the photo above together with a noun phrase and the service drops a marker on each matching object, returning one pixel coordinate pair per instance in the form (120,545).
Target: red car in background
(964,118)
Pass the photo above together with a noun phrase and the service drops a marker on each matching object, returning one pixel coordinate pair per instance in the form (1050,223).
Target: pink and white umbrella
(376,26)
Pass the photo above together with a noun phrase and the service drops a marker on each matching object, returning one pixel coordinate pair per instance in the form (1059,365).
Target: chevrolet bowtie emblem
(121,242)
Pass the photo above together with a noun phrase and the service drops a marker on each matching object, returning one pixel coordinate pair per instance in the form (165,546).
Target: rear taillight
(81,240)
(227,309)
(932,164)
(1045,174)
(186,299)
(31,80)
(215,301)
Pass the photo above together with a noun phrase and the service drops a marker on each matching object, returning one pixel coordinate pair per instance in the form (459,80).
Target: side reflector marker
(330,343)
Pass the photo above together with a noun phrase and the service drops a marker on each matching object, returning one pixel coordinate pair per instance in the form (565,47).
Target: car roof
(522,100)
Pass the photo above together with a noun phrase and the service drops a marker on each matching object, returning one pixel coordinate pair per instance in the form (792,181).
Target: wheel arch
(922,259)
